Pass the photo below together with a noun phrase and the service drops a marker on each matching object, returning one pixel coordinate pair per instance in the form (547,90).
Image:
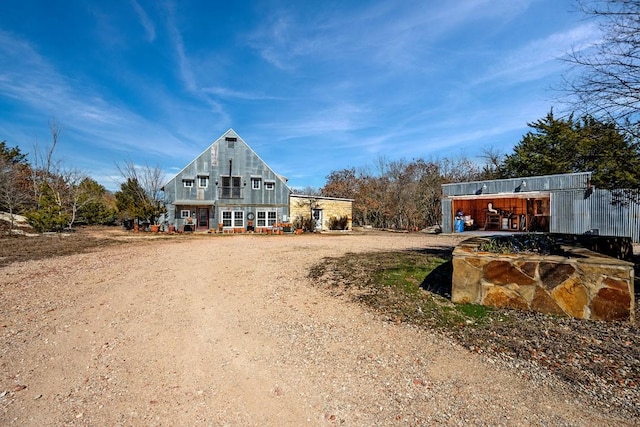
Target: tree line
(51,196)
(54,197)
(397,194)
(404,194)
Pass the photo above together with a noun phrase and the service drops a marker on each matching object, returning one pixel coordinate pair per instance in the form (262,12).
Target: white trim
(256,180)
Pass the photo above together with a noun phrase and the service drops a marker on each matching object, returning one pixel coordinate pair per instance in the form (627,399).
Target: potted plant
(298,224)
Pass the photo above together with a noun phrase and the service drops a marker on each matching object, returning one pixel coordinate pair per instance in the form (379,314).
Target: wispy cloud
(383,32)
(540,58)
(185,69)
(332,119)
(145,21)
(79,108)
(228,93)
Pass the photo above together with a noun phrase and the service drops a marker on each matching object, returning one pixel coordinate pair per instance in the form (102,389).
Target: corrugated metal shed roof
(512,186)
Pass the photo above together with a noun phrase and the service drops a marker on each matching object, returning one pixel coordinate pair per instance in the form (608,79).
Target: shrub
(305,223)
(541,244)
(338,223)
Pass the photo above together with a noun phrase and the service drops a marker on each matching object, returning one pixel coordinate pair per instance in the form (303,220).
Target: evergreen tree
(557,146)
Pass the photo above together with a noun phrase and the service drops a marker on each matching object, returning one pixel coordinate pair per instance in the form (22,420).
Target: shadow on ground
(439,280)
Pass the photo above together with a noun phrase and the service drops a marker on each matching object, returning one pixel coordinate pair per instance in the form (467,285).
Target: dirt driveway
(229,330)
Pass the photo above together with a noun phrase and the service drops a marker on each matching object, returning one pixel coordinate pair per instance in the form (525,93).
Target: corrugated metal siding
(614,219)
(572,212)
(447,215)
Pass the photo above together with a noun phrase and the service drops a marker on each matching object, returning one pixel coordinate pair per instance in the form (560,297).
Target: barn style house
(228,187)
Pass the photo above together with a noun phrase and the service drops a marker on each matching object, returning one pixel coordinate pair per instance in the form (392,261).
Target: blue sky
(312,87)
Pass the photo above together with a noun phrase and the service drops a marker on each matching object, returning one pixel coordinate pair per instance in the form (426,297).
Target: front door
(203,218)
(317,216)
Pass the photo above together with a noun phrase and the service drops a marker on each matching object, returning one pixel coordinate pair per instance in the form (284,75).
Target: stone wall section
(584,284)
(300,206)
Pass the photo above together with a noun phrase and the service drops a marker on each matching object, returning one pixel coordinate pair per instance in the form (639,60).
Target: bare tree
(44,167)
(12,194)
(604,79)
(76,194)
(149,188)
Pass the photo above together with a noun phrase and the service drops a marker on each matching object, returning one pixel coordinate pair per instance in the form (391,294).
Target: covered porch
(194,215)
(514,212)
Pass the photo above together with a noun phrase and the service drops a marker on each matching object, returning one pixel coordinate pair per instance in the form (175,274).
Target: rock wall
(583,284)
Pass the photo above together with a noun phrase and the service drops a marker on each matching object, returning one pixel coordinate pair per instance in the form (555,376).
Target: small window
(188,183)
(203,181)
(269,185)
(185,213)
(255,183)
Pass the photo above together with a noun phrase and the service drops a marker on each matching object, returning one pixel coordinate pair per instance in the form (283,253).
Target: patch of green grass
(474,311)
(404,283)
(398,284)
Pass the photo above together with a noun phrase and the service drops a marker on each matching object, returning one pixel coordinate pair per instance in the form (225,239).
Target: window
(233,218)
(203,181)
(227,220)
(238,219)
(255,183)
(269,185)
(185,213)
(188,183)
(266,218)
(231,188)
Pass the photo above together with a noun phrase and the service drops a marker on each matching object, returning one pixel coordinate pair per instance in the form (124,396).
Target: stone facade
(584,284)
(302,205)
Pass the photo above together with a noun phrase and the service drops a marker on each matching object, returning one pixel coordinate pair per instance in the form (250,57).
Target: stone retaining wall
(583,284)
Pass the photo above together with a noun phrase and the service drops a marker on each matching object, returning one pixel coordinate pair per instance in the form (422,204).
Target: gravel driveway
(228,330)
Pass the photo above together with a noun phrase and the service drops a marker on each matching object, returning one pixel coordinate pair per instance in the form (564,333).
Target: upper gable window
(269,185)
(231,188)
(188,183)
(203,181)
(256,183)
(231,142)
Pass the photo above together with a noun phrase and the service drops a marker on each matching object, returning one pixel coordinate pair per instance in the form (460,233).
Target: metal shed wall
(614,219)
(577,213)
(447,214)
(570,212)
